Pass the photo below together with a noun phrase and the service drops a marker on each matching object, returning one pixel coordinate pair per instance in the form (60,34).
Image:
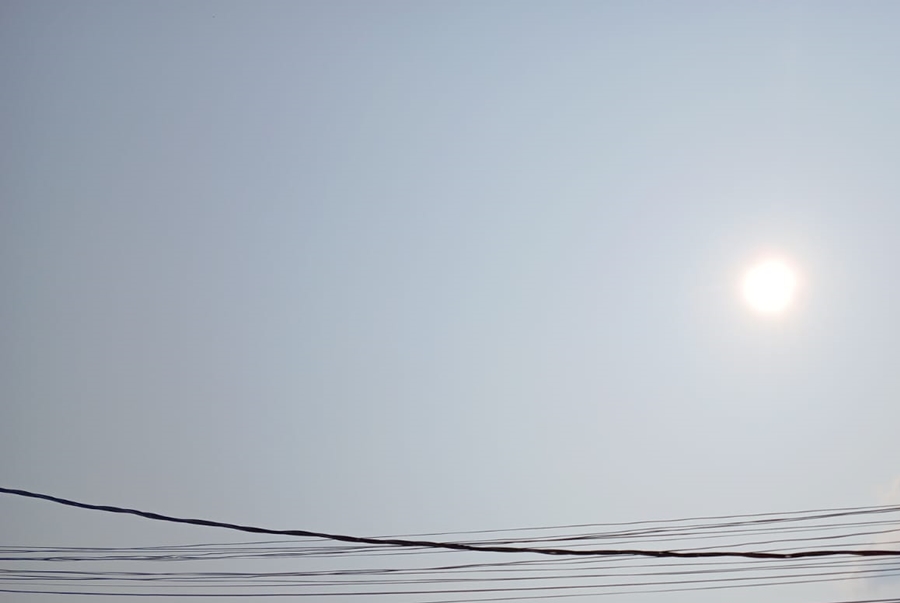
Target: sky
(395,267)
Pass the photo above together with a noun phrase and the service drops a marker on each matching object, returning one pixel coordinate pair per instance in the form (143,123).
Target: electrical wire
(748,551)
(460,546)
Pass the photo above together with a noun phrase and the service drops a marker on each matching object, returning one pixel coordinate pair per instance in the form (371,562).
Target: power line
(737,520)
(458,546)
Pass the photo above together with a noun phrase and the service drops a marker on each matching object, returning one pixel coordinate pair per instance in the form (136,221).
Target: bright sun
(769,286)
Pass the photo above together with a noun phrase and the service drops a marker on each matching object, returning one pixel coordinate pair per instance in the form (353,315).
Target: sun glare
(769,286)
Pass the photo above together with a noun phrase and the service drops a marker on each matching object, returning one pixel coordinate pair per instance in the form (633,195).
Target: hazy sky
(387,267)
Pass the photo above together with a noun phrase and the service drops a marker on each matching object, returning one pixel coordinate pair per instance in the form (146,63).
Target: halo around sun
(769,287)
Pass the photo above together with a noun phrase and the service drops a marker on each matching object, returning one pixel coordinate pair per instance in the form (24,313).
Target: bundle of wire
(317,567)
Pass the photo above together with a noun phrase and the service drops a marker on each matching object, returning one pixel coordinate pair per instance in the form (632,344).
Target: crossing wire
(485,548)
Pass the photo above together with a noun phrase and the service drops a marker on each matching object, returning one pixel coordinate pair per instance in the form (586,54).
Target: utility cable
(456,546)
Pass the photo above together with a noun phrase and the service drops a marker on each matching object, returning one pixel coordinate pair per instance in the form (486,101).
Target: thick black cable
(457,546)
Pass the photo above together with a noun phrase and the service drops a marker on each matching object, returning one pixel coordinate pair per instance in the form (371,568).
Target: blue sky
(391,267)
